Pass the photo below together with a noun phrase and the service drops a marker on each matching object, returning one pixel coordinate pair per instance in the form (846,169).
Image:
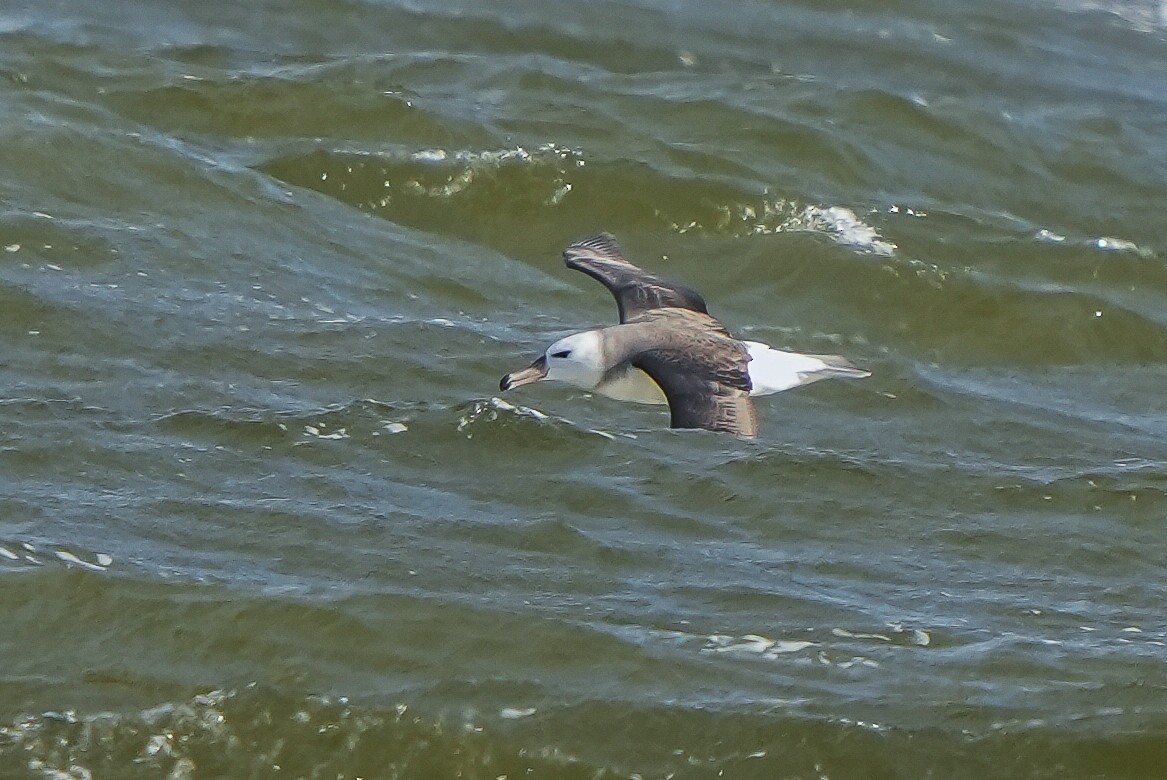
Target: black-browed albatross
(667,349)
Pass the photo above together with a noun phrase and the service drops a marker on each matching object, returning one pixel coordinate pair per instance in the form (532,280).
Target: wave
(257,731)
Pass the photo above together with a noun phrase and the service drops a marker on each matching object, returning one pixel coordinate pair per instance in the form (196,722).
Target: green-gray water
(262,515)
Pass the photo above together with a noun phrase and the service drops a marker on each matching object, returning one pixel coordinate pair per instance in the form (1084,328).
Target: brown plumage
(667,343)
(700,368)
(636,291)
(667,333)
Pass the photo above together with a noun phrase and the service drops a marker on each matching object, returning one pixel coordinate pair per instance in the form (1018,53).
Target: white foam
(73,560)
(782,216)
(514,713)
(842,632)
(754,644)
(846,228)
(312,430)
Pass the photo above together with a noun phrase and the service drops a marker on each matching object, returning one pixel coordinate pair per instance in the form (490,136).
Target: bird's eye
(561,353)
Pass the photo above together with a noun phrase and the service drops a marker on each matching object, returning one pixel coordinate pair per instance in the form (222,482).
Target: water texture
(263,513)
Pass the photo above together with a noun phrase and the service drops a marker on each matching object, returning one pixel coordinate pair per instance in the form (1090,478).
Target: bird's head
(577,360)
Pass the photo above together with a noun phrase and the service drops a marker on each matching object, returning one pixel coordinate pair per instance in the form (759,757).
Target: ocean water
(264,513)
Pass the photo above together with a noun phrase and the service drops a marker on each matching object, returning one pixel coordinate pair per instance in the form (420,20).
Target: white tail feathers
(774,370)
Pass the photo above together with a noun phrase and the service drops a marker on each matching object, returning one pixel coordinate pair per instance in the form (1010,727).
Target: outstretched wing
(635,290)
(703,372)
(698,402)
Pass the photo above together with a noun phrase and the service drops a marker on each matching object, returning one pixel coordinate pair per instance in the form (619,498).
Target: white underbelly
(635,386)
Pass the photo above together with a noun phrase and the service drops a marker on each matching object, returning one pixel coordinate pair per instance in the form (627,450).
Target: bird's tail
(774,370)
(838,367)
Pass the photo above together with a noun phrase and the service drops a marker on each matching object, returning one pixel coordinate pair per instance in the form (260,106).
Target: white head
(577,359)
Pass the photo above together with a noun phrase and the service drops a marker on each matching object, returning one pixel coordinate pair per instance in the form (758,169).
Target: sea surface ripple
(262,513)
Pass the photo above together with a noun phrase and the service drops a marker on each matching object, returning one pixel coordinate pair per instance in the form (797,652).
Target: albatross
(668,349)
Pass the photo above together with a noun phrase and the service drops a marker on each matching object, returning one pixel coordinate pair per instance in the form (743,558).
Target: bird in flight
(668,349)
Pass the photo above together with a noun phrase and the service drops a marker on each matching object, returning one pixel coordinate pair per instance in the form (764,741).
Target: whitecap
(71,559)
(515,713)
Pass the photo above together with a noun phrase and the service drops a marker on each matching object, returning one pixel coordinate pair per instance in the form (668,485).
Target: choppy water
(261,513)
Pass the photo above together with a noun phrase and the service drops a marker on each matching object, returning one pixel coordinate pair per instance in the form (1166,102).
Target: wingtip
(603,237)
(604,243)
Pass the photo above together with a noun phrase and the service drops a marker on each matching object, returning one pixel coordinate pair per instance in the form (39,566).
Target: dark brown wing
(703,372)
(698,402)
(635,290)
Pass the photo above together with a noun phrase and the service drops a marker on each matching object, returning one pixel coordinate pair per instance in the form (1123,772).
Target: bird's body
(668,349)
